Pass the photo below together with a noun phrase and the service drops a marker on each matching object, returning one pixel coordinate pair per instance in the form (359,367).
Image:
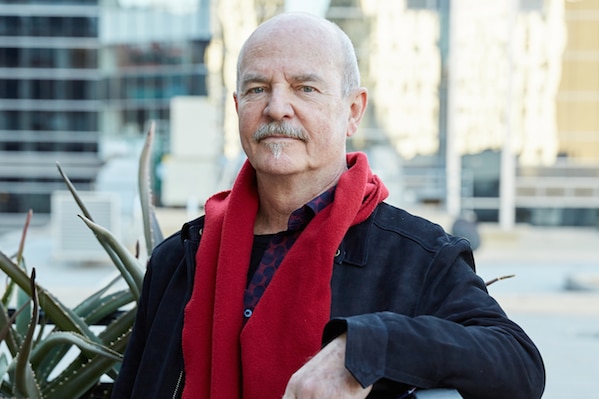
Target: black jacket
(415,312)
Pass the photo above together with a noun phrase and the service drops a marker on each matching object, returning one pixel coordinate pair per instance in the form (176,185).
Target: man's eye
(307,89)
(256,90)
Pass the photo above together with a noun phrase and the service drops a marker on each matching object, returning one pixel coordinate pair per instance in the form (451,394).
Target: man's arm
(123,385)
(457,336)
(325,376)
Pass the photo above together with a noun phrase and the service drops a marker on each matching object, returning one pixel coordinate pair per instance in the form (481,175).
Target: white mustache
(279,129)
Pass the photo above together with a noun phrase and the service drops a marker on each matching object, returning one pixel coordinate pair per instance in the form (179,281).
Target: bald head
(308,30)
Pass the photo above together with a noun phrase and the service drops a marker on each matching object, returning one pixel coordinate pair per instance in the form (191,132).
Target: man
(303,252)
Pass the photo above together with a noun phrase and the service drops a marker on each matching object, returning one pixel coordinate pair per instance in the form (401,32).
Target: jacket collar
(192,230)
(354,247)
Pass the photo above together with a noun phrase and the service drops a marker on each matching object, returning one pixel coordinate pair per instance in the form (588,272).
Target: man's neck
(280,196)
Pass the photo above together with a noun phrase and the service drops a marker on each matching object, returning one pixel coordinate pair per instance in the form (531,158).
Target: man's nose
(279,104)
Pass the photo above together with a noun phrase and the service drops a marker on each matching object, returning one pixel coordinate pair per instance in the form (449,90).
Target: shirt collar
(302,216)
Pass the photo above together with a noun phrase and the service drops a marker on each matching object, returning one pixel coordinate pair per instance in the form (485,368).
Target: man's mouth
(276,130)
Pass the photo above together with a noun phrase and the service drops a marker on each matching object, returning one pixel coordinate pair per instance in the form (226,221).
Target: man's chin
(277,164)
(276,148)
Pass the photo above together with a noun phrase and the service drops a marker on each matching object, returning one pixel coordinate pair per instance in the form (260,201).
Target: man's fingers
(325,376)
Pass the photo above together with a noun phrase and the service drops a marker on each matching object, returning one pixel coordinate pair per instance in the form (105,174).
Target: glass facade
(72,71)
(78,58)
(51,2)
(48,26)
(48,89)
(150,74)
(49,121)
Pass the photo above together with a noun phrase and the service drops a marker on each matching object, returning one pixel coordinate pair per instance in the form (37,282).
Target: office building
(73,72)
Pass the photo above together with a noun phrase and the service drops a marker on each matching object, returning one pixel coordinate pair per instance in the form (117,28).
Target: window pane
(9,57)
(10,25)
(9,88)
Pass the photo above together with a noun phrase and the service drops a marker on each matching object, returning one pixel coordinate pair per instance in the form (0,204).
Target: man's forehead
(296,31)
(296,45)
(286,46)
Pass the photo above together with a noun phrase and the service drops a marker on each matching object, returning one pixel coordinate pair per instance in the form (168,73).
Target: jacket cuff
(366,346)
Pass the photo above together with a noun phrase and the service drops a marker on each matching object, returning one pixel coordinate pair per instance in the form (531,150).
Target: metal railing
(554,187)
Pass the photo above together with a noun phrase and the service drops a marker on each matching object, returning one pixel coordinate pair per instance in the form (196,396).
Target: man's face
(293,117)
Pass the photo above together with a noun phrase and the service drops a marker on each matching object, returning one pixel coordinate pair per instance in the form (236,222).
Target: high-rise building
(75,71)
(578,97)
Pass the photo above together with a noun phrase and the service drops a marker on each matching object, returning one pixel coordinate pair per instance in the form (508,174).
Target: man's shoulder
(425,232)
(392,217)
(172,246)
(189,230)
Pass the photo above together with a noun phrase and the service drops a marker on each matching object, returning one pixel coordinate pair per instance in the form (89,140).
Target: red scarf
(223,358)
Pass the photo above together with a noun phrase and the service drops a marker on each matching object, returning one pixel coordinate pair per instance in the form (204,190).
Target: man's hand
(325,376)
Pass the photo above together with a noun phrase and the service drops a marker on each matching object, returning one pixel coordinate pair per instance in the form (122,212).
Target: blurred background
(485,112)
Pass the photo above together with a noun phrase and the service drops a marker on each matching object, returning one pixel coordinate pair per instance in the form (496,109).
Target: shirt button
(247,313)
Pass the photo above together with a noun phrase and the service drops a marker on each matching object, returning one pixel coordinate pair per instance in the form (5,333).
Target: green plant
(40,332)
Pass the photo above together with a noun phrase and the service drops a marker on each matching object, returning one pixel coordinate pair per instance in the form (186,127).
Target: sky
(317,7)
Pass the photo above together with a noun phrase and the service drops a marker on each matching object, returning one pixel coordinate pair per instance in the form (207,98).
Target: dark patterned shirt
(274,247)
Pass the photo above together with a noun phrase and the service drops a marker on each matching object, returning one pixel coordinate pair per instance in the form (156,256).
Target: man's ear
(358,103)
(236,101)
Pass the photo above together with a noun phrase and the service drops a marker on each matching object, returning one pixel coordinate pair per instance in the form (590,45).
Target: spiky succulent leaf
(3,365)
(73,339)
(83,373)
(7,334)
(152,233)
(129,265)
(99,351)
(23,301)
(25,383)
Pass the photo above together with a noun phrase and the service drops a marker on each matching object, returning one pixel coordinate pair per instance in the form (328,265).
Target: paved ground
(563,322)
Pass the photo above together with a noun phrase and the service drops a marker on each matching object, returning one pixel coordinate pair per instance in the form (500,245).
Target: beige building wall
(578,98)
(404,73)
(505,73)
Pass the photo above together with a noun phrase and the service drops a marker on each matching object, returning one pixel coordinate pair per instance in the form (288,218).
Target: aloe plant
(38,335)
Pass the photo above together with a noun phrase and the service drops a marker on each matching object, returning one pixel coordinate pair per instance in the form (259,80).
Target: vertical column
(453,160)
(507,188)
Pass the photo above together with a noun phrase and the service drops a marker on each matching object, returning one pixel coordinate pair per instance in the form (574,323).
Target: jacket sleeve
(153,362)
(123,385)
(458,337)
